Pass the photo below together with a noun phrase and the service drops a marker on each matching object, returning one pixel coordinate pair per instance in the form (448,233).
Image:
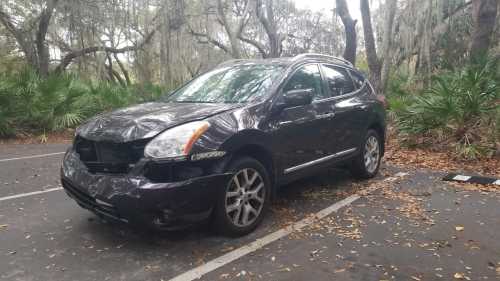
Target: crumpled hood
(146,120)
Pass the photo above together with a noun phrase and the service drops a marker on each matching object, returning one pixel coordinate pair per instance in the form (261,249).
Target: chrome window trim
(319,160)
(348,70)
(339,97)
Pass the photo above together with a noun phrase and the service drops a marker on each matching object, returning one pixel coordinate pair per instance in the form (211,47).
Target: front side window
(338,80)
(232,84)
(307,77)
(358,79)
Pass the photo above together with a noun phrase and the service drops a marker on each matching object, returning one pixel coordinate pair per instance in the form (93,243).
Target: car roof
(289,61)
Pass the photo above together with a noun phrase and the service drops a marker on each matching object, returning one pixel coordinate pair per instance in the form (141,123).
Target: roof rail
(316,55)
(231,61)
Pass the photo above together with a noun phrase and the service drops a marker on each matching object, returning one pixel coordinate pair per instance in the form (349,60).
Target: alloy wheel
(372,154)
(245,196)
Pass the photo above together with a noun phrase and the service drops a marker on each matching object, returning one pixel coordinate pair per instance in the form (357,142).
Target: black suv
(221,145)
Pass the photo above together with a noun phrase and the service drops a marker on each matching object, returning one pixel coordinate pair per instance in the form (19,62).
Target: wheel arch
(255,144)
(380,129)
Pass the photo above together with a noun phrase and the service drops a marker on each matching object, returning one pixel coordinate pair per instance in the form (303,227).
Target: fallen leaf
(339,270)
(415,278)
(227,249)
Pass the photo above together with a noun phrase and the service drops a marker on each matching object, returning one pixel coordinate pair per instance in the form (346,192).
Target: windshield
(233,84)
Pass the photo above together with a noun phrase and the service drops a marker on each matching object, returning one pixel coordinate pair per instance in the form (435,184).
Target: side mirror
(298,97)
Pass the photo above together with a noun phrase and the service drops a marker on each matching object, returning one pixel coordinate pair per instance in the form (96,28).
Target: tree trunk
(35,49)
(232,29)
(41,44)
(268,21)
(123,70)
(235,46)
(484,14)
(350,31)
(232,34)
(164,47)
(426,48)
(387,43)
(371,51)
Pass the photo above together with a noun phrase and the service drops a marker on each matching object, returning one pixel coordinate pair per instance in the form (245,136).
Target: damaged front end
(116,181)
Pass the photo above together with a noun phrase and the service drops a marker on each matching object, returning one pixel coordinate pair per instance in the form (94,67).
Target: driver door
(300,132)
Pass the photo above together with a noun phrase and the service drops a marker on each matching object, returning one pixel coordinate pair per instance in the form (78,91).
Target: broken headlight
(176,142)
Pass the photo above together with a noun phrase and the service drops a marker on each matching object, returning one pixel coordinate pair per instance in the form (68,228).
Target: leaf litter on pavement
(349,225)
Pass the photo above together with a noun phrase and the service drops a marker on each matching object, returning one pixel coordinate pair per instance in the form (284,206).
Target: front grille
(109,157)
(112,168)
(89,202)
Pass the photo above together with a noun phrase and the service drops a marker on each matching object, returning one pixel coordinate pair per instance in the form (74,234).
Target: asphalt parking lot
(404,225)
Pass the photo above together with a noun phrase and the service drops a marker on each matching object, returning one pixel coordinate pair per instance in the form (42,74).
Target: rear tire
(367,163)
(241,206)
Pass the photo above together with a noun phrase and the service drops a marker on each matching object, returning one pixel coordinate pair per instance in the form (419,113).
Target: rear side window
(338,80)
(307,77)
(358,79)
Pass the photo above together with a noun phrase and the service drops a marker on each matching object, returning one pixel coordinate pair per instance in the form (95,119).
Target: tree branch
(260,47)
(211,40)
(68,58)
(18,34)
(437,31)
(244,19)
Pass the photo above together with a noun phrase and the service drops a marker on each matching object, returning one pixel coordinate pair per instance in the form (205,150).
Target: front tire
(241,206)
(367,163)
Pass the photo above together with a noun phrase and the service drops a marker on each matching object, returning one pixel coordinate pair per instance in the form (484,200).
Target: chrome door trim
(325,116)
(319,160)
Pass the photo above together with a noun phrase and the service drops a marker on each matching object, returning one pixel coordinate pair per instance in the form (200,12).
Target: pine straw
(398,155)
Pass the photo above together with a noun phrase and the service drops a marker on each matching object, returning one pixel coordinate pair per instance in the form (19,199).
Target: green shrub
(31,104)
(6,110)
(460,108)
(400,91)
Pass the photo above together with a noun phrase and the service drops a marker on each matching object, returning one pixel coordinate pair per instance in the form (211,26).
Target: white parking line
(216,263)
(29,193)
(32,156)
(212,265)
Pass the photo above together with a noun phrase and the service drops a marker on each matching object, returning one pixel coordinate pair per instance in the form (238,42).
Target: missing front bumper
(134,198)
